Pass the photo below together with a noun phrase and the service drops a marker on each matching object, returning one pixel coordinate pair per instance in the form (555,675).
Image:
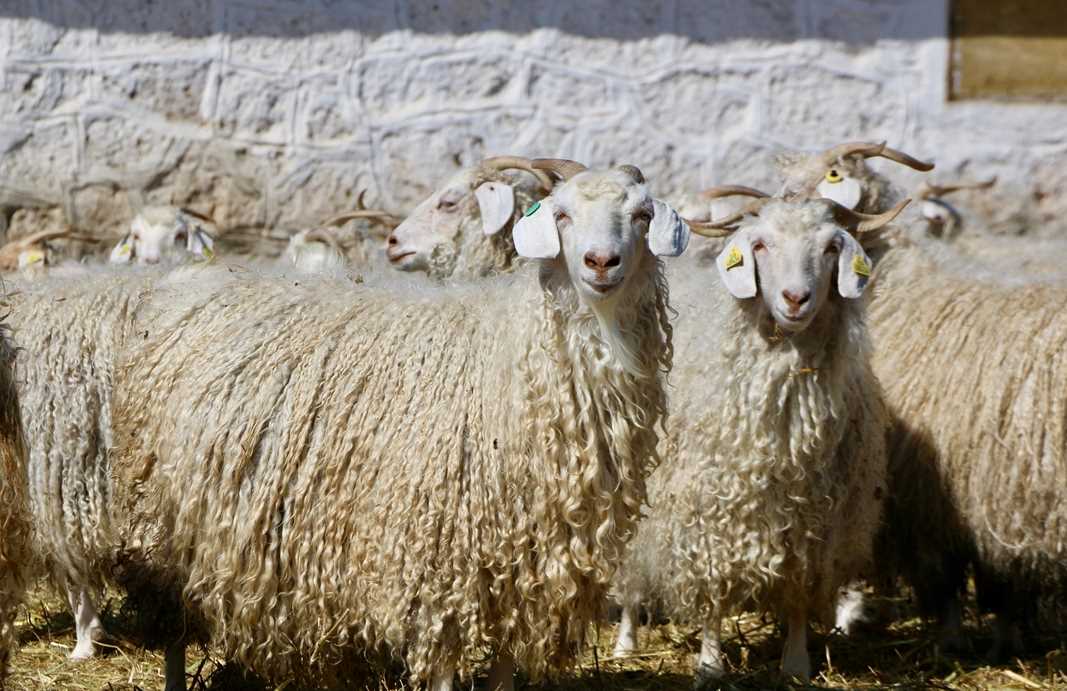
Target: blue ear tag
(533,209)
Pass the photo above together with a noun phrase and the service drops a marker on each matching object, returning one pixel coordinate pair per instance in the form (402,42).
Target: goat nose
(796,298)
(601,261)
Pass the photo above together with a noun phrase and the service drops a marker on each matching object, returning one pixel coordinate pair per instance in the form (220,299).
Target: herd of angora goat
(546,415)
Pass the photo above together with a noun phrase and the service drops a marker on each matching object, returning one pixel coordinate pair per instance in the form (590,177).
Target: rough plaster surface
(271,113)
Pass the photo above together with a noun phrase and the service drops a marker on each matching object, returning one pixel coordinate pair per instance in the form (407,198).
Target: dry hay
(905,656)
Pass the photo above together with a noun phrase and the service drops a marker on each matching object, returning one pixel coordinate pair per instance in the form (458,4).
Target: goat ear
(668,235)
(496,202)
(737,266)
(536,236)
(853,268)
(122,253)
(936,210)
(200,243)
(845,191)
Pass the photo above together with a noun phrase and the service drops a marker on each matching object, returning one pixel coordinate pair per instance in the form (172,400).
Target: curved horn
(373,215)
(857,223)
(732,191)
(725,226)
(871,150)
(198,215)
(563,168)
(928,189)
(864,149)
(519,163)
(634,172)
(322,236)
(904,159)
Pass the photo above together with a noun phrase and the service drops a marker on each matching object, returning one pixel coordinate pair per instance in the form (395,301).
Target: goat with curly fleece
(73,324)
(986,486)
(464,229)
(16,560)
(771,488)
(444,473)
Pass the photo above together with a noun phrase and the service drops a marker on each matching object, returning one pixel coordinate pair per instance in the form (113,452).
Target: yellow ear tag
(734,258)
(34,257)
(125,249)
(833,177)
(860,266)
(208,252)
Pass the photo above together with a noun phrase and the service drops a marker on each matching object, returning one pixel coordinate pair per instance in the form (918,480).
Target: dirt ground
(904,656)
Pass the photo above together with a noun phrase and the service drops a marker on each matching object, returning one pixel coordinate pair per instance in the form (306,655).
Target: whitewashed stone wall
(276,113)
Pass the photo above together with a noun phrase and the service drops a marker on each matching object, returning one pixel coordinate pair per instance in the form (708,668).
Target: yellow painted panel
(1009,50)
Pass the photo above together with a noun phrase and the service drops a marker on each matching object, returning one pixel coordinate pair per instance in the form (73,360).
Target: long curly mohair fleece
(773,477)
(16,561)
(975,373)
(68,330)
(441,473)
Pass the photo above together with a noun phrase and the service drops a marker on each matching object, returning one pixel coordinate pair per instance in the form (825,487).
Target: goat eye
(446,205)
(832,248)
(562,217)
(758,246)
(642,216)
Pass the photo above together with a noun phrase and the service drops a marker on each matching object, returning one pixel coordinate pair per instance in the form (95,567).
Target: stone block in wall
(36,89)
(326,115)
(553,86)
(31,219)
(255,107)
(225,181)
(809,106)
(699,102)
(617,59)
(413,157)
(392,86)
(172,88)
(102,209)
(39,157)
(125,147)
(310,191)
(667,164)
(744,161)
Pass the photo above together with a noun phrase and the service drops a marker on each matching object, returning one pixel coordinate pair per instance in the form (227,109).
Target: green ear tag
(860,267)
(533,209)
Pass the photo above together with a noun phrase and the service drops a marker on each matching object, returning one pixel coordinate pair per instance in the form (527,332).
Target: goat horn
(905,159)
(198,215)
(375,215)
(732,191)
(563,168)
(858,223)
(725,226)
(634,172)
(864,149)
(324,237)
(519,163)
(928,189)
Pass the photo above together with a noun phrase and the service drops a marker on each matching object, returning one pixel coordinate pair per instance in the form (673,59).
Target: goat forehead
(796,220)
(464,179)
(606,187)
